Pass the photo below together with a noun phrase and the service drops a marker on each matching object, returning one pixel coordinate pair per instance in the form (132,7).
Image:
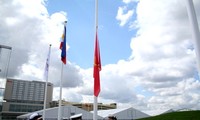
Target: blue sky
(114,40)
(147,60)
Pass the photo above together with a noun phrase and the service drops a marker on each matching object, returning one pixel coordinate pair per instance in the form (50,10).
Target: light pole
(9,48)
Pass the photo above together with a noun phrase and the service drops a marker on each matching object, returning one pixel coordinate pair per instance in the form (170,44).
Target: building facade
(85,106)
(23,96)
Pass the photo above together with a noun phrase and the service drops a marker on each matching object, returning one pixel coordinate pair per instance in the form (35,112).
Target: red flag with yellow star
(97,67)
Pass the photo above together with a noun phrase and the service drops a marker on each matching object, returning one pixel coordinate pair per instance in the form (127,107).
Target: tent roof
(106,113)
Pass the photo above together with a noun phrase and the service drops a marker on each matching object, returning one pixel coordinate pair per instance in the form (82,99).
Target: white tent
(70,111)
(67,112)
(123,114)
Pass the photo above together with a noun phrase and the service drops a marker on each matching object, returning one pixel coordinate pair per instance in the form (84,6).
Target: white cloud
(129,1)
(31,8)
(124,17)
(29,30)
(163,46)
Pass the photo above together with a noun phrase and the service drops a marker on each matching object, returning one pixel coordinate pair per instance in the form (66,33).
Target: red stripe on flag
(61,44)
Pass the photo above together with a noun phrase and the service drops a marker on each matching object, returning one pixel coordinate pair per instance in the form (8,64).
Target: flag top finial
(65,22)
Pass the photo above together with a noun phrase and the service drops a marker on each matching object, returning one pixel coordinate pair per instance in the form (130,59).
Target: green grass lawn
(184,115)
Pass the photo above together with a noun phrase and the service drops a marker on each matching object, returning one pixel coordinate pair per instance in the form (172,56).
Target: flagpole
(46,77)
(195,30)
(63,59)
(60,99)
(96,31)
(95,108)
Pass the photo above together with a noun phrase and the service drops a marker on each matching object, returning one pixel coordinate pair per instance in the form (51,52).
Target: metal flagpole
(61,77)
(195,30)
(46,77)
(60,99)
(96,30)
(95,108)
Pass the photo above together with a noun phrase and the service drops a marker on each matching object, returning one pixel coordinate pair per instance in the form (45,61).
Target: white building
(22,96)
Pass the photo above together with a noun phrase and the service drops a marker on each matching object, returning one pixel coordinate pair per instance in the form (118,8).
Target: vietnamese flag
(97,67)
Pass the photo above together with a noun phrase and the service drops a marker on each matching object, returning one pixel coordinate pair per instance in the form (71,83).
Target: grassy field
(184,115)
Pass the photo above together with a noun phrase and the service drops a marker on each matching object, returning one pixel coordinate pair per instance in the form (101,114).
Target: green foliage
(183,115)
